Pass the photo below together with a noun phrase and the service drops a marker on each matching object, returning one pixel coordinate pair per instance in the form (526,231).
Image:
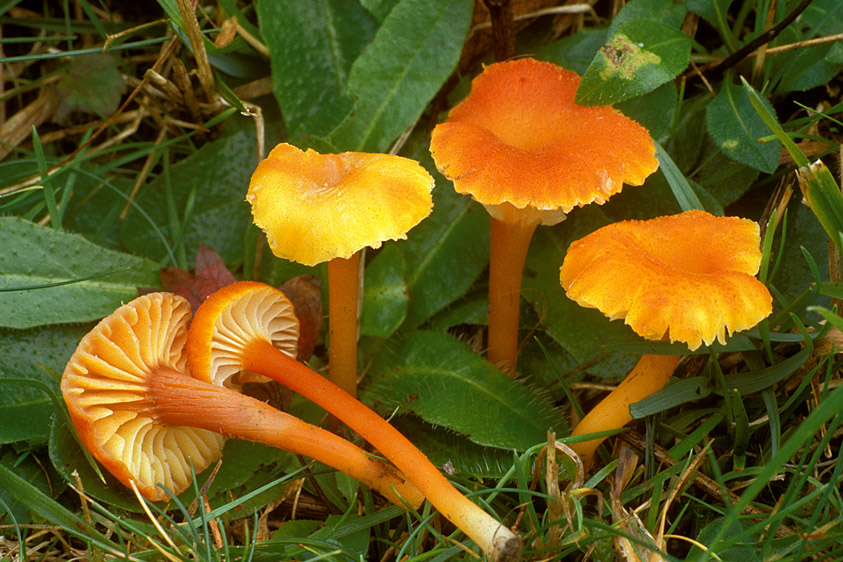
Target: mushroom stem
(182,400)
(343,287)
(495,539)
(648,376)
(509,245)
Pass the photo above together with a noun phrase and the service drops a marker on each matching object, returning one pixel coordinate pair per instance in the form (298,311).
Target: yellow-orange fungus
(689,277)
(316,207)
(519,138)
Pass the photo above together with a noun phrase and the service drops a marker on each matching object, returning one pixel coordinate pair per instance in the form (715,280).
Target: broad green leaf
(209,186)
(574,52)
(736,128)
(90,84)
(584,333)
(451,451)
(385,293)
(379,8)
(445,253)
(312,46)
(27,408)
(52,277)
(711,10)
(741,552)
(438,378)
(637,58)
(415,50)
(655,110)
(724,178)
(810,67)
(668,12)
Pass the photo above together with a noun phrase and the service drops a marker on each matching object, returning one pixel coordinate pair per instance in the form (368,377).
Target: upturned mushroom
(242,327)
(146,420)
(318,208)
(688,277)
(519,145)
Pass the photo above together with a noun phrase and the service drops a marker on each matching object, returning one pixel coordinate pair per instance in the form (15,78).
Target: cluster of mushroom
(148,395)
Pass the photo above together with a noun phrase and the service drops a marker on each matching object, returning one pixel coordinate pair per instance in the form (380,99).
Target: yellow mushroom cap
(105,385)
(315,207)
(690,277)
(228,320)
(519,139)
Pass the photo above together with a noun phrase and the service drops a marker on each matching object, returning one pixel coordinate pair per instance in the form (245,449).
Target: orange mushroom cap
(105,385)
(689,276)
(232,316)
(518,141)
(316,207)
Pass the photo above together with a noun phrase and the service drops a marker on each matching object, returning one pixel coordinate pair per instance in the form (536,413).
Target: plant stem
(490,535)
(509,245)
(648,376)
(343,286)
(183,400)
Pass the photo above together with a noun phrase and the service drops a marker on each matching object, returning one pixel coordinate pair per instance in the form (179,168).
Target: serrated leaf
(637,58)
(27,408)
(91,84)
(415,50)
(52,277)
(736,127)
(451,451)
(385,294)
(442,381)
(218,175)
(312,46)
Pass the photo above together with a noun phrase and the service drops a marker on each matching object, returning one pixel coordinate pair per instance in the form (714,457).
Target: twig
(762,39)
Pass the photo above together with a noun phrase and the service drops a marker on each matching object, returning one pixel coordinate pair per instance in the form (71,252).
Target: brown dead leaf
(304,292)
(211,274)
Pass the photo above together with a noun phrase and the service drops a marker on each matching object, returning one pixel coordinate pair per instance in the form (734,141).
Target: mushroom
(242,327)
(519,145)
(147,421)
(688,277)
(327,207)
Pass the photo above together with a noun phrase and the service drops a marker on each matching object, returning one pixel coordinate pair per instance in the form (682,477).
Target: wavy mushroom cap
(228,320)
(519,139)
(106,383)
(315,207)
(690,277)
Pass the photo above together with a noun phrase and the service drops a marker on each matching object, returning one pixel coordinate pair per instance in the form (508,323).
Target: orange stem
(509,245)
(649,375)
(183,400)
(488,533)
(343,286)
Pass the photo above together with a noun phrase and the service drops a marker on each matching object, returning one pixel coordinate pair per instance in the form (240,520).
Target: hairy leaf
(52,277)
(415,50)
(445,383)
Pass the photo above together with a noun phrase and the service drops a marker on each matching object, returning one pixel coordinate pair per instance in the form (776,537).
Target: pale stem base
(494,538)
